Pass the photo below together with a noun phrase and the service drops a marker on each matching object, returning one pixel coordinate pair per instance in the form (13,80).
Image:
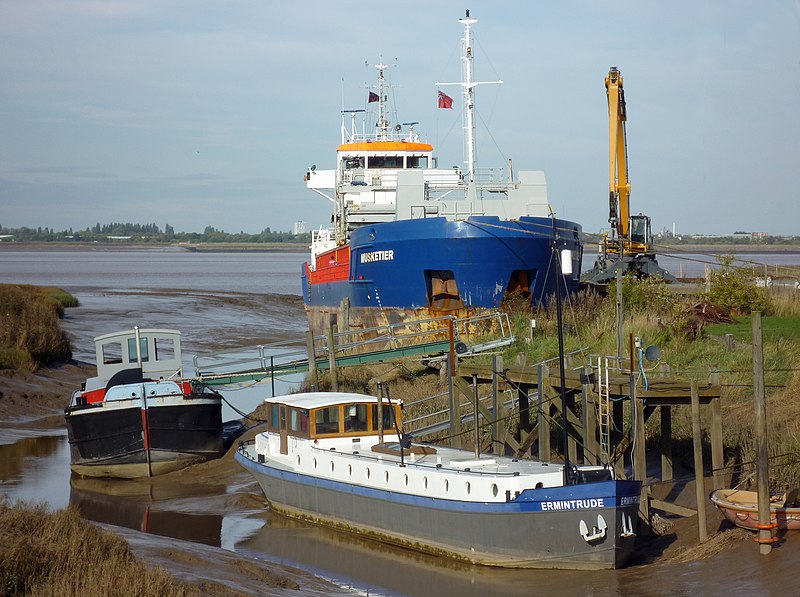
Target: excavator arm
(619,186)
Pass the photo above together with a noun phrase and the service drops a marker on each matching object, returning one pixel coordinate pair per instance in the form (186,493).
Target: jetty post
(312,359)
(332,356)
(700,488)
(765,526)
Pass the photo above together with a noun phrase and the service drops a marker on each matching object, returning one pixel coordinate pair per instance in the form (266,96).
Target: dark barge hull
(108,440)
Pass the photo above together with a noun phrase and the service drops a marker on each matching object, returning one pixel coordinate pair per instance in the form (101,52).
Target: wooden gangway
(414,338)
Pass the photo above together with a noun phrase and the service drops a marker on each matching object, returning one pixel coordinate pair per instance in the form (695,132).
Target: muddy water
(220,309)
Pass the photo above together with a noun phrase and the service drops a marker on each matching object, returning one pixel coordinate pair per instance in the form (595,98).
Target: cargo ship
(412,240)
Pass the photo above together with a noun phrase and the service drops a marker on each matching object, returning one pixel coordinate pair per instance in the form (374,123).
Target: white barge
(323,459)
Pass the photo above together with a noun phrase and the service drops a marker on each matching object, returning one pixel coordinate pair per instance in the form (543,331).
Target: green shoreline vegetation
(30,333)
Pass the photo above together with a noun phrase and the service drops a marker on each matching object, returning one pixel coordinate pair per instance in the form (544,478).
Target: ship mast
(468,92)
(383,124)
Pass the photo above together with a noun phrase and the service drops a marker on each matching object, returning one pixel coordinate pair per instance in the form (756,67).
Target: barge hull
(511,534)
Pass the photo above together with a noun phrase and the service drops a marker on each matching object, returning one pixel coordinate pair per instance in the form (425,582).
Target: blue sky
(198,113)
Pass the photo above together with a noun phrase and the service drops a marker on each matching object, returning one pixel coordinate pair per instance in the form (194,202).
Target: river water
(226,303)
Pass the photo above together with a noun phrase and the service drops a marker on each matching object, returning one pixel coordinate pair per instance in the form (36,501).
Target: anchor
(627,527)
(598,532)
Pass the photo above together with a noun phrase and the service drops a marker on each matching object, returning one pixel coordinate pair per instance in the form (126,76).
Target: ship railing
(485,331)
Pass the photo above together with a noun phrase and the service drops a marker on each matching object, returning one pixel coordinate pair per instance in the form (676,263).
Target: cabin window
(388,423)
(327,420)
(163,349)
(385,161)
(353,163)
(355,417)
(112,353)
(273,420)
(417,161)
(132,358)
(295,420)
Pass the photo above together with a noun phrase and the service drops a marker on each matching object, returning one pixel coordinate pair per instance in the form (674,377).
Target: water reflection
(136,505)
(371,566)
(36,469)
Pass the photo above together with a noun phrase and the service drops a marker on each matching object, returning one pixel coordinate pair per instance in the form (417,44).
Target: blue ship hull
(396,267)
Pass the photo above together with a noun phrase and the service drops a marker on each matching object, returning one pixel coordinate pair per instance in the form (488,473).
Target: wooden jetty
(597,434)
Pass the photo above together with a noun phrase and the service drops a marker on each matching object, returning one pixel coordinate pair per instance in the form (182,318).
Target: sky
(200,113)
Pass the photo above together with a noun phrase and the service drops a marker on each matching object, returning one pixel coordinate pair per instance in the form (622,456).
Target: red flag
(445,101)
(373,97)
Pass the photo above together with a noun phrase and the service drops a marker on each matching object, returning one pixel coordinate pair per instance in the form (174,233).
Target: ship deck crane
(628,245)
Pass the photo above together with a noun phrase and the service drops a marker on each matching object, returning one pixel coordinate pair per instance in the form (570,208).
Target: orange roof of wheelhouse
(385,146)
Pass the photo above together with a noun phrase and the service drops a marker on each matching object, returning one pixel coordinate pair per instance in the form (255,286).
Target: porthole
(349,469)
(405,480)
(447,484)
(367,472)
(386,476)
(315,463)
(494,490)
(332,466)
(298,460)
(425,482)
(468,487)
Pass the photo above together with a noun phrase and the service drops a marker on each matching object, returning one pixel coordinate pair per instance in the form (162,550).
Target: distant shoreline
(205,247)
(126,246)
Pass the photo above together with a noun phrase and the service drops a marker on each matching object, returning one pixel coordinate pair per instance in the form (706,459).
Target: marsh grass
(30,334)
(58,553)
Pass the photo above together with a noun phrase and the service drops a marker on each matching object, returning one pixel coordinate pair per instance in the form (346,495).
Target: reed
(58,553)
(30,334)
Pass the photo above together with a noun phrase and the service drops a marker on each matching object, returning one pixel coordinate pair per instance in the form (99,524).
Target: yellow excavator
(628,245)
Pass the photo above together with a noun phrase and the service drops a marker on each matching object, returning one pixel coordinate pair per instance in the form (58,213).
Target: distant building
(299,228)
(760,237)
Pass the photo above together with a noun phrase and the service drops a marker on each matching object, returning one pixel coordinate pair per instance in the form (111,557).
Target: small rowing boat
(741,508)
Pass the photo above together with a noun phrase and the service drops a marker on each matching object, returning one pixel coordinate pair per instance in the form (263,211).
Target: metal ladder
(604,407)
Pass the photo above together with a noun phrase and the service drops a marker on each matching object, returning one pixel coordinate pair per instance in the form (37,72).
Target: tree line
(148,233)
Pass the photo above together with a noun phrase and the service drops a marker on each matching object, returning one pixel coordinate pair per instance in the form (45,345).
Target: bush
(734,288)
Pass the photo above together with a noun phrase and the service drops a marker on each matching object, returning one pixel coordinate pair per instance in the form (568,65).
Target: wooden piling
(497,367)
(762,447)
(700,490)
(332,357)
(717,455)
(591,447)
(312,360)
(544,412)
(666,443)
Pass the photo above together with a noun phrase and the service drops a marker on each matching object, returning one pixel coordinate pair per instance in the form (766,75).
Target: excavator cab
(639,234)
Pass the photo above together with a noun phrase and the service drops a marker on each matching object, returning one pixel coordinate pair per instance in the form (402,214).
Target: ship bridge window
(112,353)
(132,358)
(417,161)
(353,163)
(163,349)
(355,417)
(326,420)
(385,161)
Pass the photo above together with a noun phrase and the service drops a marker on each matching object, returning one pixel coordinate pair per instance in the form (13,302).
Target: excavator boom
(619,186)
